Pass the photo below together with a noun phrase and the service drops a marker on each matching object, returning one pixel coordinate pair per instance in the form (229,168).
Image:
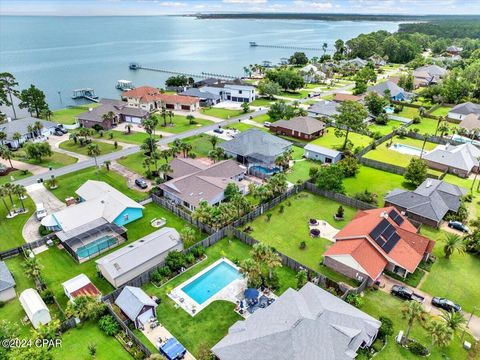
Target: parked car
(58,132)
(40,211)
(218,131)
(446,304)
(141,183)
(457,225)
(61,129)
(267,124)
(406,293)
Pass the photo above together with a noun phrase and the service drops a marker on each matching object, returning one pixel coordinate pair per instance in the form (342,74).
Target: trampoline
(172,349)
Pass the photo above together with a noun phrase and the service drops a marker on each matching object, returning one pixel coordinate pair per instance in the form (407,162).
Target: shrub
(303,245)
(366,196)
(354,299)
(281,209)
(47,296)
(198,251)
(386,329)
(157,277)
(417,120)
(417,349)
(273,283)
(108,325)
(189,258)
(43,231)
(175,260)
(340,212)
(97,127)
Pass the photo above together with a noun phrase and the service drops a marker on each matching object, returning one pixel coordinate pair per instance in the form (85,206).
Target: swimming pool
(389,110)
(265,170)
(407,149)
(96,246)
(465,140)
(211,282)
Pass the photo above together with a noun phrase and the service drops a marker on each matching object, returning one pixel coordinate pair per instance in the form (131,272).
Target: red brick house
(377,240)
(150,99)
(300,127)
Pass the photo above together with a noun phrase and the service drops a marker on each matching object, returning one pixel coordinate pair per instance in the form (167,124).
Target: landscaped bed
(14,176)
(105,148)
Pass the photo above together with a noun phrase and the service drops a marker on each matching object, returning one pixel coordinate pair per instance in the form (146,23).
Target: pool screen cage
(117,235)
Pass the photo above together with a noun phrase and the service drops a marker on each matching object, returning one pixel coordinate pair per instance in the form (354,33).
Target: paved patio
(161,332)
(327,231)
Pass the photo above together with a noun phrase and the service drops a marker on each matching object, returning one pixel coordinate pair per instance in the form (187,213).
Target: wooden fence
(343,199)
(395,169)
(433,139)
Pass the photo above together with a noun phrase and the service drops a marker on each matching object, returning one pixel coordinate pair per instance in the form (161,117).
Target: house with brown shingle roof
(150,99)
(301,127)
(377,240)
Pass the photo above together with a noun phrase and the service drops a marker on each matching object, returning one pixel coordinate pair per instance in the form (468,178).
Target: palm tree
(164,116)
(30,130)
(216,154)
(21,192)
(164,169)
(264,254)
(9,189)
(170,116)
(188,235)
(32,268)
(93,150)
(190,119)
(16,136)
(202,212)
(6,154)
(453,243)
(73,136)
(129,128)
(3,137)
(166,154)
(251,269)
(324,48)
(454,319)
(3,195)
(441,334)
(37,127)
(412,312)
(425,137)
(107,164)
(213,140)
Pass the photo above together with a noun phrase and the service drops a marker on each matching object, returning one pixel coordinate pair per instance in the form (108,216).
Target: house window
(125,217)
(239,91)
(328,160)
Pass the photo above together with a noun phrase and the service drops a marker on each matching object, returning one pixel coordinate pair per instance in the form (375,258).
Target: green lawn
(11,229)
(303,207)
(384,154)
(241,126)
(55,161)
(408,112)
(377,181)
(105,148)
(14,176)
(262,102)
(454,278)
(210,324)
(67,116)
(201,144)
(426,126)
(378,303)
(76,341)
(441,111)
(329,140)
(69,183)
(261,118)
(180,124)
(300,170)
(385,129)
(135,137)
(222,113)
(420,100)
(134,162)
(295,94)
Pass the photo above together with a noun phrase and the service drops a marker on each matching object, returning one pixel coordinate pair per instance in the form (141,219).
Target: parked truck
(406,293)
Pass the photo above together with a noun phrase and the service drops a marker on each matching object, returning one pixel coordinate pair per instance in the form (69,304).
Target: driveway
(130,176)
(474,325)
(39,194)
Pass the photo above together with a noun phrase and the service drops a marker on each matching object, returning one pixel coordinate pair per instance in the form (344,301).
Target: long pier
(203,74)
(254,44)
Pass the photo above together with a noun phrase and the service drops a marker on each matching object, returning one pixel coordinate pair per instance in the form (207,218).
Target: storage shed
(35,307)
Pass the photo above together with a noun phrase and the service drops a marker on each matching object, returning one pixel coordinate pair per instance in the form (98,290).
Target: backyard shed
(35,308)
(80,285)
(136,305)
(323,154)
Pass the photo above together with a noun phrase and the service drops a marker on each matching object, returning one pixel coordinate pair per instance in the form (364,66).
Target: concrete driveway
(39,194)
(130,176)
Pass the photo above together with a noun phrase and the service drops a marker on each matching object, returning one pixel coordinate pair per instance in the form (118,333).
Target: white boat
(124,85)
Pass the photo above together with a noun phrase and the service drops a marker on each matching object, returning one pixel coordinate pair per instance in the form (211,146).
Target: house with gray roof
(256,149)
(22,127)
(460,111)
(136,305)
(193,181)
(125,264)
(206,98)
(461,160)
(301,127)
(428,75)
(322,154)
(308,324)
(395,92)
(429,202)
(7,283)
(324,108)
(122,112)
(471,123)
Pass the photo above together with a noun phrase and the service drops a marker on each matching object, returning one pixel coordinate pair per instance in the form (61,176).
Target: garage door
(132,119)
(170,106)
(185,107)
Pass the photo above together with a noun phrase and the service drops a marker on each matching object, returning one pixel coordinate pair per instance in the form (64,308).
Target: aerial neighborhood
(316,207)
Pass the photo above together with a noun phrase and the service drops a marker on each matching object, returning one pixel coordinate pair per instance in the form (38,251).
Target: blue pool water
(407,149)
(208,284)
(465,140)
(265,170)
(389,109)
(96,246)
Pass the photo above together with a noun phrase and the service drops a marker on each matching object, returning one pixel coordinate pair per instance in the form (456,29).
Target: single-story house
(21,127)
(471,122)
(136,305)
(308,324)
(323,154)
(377,60)
(96,223)
(324,108)
(357,62)
(301,127)
(7,283)
(428,74)
(454,50)
(461,160)
(256,149)
(80,285)
(192,181)
(234,90)
(125,264)
(460,111)
(377,240)
(395,92)
(150,99)
(429,202)
(122,113)
(206,98)
(311,74)
(35,307)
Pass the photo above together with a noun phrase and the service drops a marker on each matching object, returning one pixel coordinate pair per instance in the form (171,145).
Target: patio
(159,335)
(252,300)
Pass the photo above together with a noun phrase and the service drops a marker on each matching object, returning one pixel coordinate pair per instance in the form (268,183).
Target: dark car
(58,132)
(457,225)
(405,293)
(446,304)
(218,131)
(142,184)
(61,129)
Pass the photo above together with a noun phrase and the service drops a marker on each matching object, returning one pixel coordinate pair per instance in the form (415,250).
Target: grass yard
(241,126)
(134,162)
(181,124)
(441,111)
(420,100)
(67,116)
(210,324)
(261,118)
(105,148)
(201,144)
(378,303)
(453,278)
(303,207)
(262,102)
(385,129)
(14,176)
(408,112)
(222,113)
(376,181)
(69,183)
(300,170)
(329,140)
(57,160)
(387,155)
(426,125)
(135,137)
(11,229)
(297,95)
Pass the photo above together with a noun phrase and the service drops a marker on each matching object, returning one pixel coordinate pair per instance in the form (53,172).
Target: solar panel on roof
(379,240)
(396,217)
(390,244)
(389,230)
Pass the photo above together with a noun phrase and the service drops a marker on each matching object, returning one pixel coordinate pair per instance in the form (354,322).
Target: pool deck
(231,292)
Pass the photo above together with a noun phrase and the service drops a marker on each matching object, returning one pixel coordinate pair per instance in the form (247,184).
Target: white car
(40,211)
(267,123)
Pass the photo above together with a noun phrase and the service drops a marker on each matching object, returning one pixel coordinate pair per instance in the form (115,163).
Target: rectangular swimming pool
(211,282)
(96,246)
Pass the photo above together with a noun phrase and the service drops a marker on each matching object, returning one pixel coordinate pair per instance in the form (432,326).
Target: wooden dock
(202,75)
(292,47)
(85,93)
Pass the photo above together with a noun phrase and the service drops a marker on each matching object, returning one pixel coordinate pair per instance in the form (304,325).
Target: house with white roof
(235,90)
(136,305)
(322,154)
(35,308)
(311,74)
(461,160)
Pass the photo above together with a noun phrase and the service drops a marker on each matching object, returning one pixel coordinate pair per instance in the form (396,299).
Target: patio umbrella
(251,293)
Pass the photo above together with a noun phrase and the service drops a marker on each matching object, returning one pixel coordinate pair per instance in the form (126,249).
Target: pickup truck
(406,293)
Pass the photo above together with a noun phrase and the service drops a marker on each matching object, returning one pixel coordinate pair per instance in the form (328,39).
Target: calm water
(64,53)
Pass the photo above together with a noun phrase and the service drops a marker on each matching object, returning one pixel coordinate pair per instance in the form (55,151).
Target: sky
(168,7)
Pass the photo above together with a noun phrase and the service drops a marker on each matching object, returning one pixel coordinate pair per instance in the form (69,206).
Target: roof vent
(384,214)
(116,266)
(429,183)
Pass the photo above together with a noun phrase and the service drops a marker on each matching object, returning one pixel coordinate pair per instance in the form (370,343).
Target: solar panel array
(384,235)
(395,216)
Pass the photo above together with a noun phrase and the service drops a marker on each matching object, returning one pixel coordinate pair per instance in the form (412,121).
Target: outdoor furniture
(314,233)
(313,222)
(172,349)
(251,293)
